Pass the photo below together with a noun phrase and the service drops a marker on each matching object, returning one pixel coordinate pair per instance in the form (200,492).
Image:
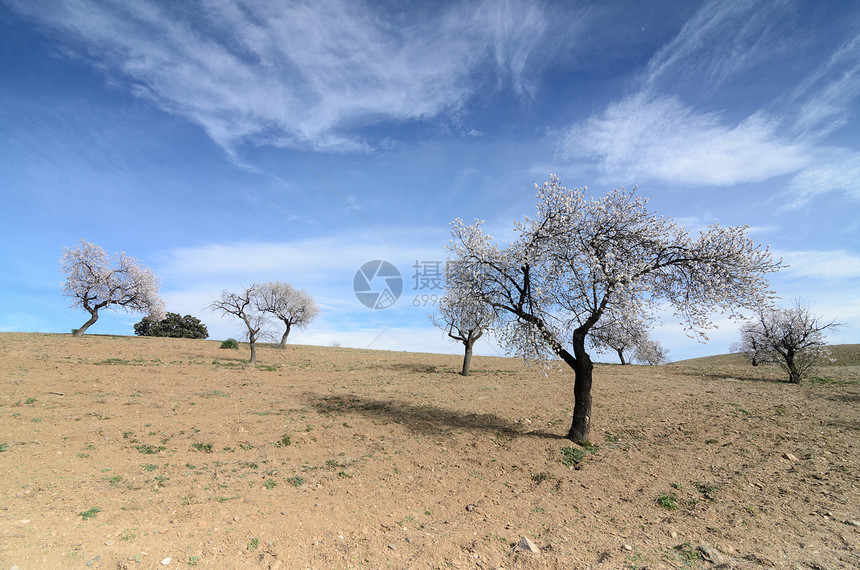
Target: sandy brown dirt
(122,452)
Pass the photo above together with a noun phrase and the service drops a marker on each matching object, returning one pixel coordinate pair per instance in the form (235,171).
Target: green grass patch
(89,513)
(204,447)
(668,501)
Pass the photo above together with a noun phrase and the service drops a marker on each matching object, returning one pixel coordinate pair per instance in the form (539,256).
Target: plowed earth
(123,452)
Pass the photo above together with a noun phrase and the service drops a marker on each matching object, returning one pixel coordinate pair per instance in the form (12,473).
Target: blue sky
(224,143)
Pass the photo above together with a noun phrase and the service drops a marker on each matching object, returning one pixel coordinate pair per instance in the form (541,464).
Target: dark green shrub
(172,326)
(230,343)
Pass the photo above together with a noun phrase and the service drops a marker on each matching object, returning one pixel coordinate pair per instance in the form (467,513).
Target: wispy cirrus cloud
(298,74)
(661,138)
(721,40)
(822,265)
(674,128)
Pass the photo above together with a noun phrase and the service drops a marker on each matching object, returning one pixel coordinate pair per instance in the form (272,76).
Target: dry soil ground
(123,452)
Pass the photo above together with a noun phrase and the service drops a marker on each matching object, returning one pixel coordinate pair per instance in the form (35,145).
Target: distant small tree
(792,337)
(293,307)
(172,326)
(464,319)
(244,306)
(623,335)
(650,351)
(96,281)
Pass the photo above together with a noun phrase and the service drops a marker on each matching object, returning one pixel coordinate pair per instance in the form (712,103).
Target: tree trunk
(621,356)
(467,359)
(580,427)
(252,340)
(284,338)
(793,372)
(94,316)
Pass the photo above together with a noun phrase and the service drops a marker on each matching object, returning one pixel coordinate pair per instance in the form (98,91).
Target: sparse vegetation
(668,501)
(296,480)
(204,447)
(89,513)
(421,438)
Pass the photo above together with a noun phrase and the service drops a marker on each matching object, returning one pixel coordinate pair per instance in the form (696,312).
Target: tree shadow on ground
(422,419)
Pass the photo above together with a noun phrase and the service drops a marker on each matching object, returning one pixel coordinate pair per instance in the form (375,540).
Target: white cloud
(298,74)
(721,40)
(823,265)
(640,137)
(834,170)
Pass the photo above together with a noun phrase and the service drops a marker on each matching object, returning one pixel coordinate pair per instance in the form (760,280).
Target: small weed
(668,501)
(114,479)
(4,446)
(284,441)
(148,449)
(296,481)
(150,467)
(204,447)
(344,475)
(687,553)
(81,455)
(225,499)
(707,489)
(30,401)
(541,477)
(193,560)
(161,480)
(269,367)
(111,361)
(711,441)
(570,456)
(128,535)
(270,483)
(539,509)
(216,394)
(89,513)
(253,544)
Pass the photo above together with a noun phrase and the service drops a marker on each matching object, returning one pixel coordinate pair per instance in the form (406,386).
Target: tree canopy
(172,326)
(96,281)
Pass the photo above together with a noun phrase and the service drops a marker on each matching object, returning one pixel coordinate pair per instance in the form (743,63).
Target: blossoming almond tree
(293,307)
(464,318)
(792,337)
(96,281)
(580,257)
